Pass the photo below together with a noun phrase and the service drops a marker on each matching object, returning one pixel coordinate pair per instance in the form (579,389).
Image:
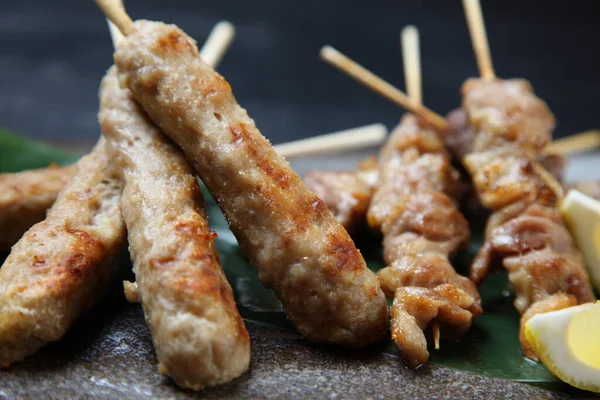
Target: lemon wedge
(582,215)
(566,342)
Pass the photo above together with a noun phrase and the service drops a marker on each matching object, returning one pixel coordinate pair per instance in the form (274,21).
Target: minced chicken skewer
(199,336)
(61,266)
(286,232)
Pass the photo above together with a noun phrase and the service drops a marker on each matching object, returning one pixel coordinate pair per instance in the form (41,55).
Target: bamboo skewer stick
(374,135)
(217,43)
(351,139)
(576,143)
(375,83)
(115,33)
(479,38)
(116,14)
(580,142)
(411,59)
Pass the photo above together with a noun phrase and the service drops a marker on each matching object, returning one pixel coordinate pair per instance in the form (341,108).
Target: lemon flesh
(582,215)
(566,342)
(583,326)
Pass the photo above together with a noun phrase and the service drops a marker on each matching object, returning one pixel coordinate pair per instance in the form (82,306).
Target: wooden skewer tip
(117,15)
(585,141)
(410,30)
(479,38)
(411,58)
(218,42)
(225,28)
(328,53)
(436,335)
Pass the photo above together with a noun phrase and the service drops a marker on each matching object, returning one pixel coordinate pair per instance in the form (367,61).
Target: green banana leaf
(491,347)
(17,154)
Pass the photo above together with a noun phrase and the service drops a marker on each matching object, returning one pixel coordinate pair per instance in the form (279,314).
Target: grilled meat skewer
(286,232)
(199,336)
(60,267)
(525,233)
(422,228)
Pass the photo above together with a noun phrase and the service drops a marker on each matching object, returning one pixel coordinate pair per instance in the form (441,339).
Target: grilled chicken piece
(525,233)
(422,228)
(346,194)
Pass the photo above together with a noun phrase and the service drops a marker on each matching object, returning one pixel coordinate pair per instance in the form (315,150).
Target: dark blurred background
(54,53)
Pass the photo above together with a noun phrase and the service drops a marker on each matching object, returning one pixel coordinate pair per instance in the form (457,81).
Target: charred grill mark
(174,42)
(213,87)
(241,136)
(318,206)
(83,257)
(161,262)
(196,229)
(343,253)
(277,174)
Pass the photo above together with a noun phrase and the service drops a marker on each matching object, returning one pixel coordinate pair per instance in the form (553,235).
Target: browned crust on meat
(525,234)
(25,197)
(422,228)
(198,333)
(327,298)
(346,194)
(62,264)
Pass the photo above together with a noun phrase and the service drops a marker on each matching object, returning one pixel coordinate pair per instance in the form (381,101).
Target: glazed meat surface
(422,228)
(61,265)
(459,136)
(347,194)
(299,248)
(525,233)
(25,197)
(199,336)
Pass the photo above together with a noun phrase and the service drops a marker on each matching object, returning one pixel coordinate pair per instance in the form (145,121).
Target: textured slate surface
(116,361)
(53,54)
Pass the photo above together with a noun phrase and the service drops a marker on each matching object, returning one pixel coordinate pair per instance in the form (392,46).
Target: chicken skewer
(59,268)
(571,279)
(422,228)
(198,333)
(525,233)
(199,336)
(25,197)
(286,232)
